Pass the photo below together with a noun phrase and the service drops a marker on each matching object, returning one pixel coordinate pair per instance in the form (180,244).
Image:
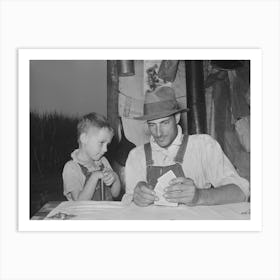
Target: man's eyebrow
(166,120)
(160,121)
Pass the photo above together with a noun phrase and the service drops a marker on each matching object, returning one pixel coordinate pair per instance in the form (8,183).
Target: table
(109,210)
(45,210)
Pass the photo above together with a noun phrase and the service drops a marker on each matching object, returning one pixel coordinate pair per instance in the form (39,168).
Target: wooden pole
(113,95)
(195,97)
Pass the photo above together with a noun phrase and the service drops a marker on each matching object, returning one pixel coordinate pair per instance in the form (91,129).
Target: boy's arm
(73,182)
(87,192)
(116,186)
(111,175)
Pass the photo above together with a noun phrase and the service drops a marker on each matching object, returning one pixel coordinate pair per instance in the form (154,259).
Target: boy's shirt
(73,177)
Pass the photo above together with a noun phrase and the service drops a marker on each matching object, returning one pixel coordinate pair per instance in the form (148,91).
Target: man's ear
(177,117)
(83,138)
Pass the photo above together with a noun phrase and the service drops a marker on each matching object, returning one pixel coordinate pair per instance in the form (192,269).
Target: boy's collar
(90,165)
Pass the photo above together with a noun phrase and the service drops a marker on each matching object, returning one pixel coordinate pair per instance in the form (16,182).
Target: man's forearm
(221,195)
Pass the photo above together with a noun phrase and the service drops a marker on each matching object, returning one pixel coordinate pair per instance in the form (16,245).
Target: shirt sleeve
(135,169)
(72,179)
(219,169)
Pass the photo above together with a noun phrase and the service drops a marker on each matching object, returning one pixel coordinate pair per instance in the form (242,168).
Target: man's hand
(143,194)
(182,190)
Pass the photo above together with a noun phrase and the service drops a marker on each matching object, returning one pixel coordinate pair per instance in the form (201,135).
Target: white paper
(162,183)
(166,178)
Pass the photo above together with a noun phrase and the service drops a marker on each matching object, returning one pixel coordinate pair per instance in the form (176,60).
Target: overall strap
(97,193)
(148,154)
(182,149)
(85,172)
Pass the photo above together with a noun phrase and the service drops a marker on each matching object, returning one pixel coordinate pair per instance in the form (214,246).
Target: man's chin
(163,144)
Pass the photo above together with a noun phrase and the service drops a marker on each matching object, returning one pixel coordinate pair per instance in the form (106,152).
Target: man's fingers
(180,180)
(146,190)
(178,194)
(145,194)
(141,201)
(180,187)
(182,200)
(173,188)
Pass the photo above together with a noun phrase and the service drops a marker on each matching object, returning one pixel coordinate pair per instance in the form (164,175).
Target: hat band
(167,105)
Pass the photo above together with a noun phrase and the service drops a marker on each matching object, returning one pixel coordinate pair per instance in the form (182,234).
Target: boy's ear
(177,117)
(83,138)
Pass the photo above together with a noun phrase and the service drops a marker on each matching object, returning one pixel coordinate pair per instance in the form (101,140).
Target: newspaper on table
(86,209)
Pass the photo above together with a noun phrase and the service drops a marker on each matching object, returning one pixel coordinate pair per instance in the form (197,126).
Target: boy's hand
(96,175)
(108,177)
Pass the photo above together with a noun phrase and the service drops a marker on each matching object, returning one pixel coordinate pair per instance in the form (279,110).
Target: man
(204,174)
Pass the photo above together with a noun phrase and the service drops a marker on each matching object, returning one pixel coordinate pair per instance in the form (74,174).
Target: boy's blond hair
(92,120)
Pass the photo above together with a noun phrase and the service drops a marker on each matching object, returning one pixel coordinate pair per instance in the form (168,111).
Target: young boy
(84,175)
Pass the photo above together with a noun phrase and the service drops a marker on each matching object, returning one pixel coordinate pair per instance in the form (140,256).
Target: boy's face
(95,142)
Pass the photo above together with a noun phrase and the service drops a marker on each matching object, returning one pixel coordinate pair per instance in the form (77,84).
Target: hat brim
(160,115)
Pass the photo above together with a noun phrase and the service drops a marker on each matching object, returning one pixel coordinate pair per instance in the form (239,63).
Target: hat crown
(160,103)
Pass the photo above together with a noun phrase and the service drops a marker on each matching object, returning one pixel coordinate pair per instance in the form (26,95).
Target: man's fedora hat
(160,103)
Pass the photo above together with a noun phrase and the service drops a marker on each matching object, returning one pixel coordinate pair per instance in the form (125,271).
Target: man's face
(164,130)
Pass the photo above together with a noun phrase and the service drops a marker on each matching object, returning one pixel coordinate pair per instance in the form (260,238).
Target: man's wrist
(201,194)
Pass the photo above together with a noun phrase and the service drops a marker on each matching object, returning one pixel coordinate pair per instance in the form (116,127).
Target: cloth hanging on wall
(218,82)
(238,91)
(242,127)
(231,128)
(238,156)
(132,94)
(136,131)
(168,70)
(210,112)
(130,107)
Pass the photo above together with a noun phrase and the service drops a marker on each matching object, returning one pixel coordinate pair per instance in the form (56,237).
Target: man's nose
(158,131)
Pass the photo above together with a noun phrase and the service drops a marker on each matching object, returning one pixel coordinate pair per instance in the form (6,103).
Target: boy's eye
(104,143)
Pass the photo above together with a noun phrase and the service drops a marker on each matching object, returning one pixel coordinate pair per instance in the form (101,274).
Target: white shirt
(204,162)
(73,177)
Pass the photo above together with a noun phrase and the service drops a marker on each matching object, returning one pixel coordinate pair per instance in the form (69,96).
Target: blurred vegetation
(52,139)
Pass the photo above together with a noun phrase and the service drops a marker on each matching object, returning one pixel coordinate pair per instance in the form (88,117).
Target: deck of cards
(162,183)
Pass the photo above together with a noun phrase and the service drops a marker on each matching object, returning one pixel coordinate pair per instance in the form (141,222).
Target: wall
(70,87)
(131,99)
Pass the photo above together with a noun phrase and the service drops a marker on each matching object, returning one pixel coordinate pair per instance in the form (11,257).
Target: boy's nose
(104,149)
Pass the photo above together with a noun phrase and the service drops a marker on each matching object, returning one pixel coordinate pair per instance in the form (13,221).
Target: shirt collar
(91,166)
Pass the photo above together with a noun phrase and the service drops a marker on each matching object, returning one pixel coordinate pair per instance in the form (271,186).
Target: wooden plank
(113,95)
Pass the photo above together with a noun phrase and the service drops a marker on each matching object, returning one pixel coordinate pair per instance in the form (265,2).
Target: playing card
(162,183)
(166,178)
